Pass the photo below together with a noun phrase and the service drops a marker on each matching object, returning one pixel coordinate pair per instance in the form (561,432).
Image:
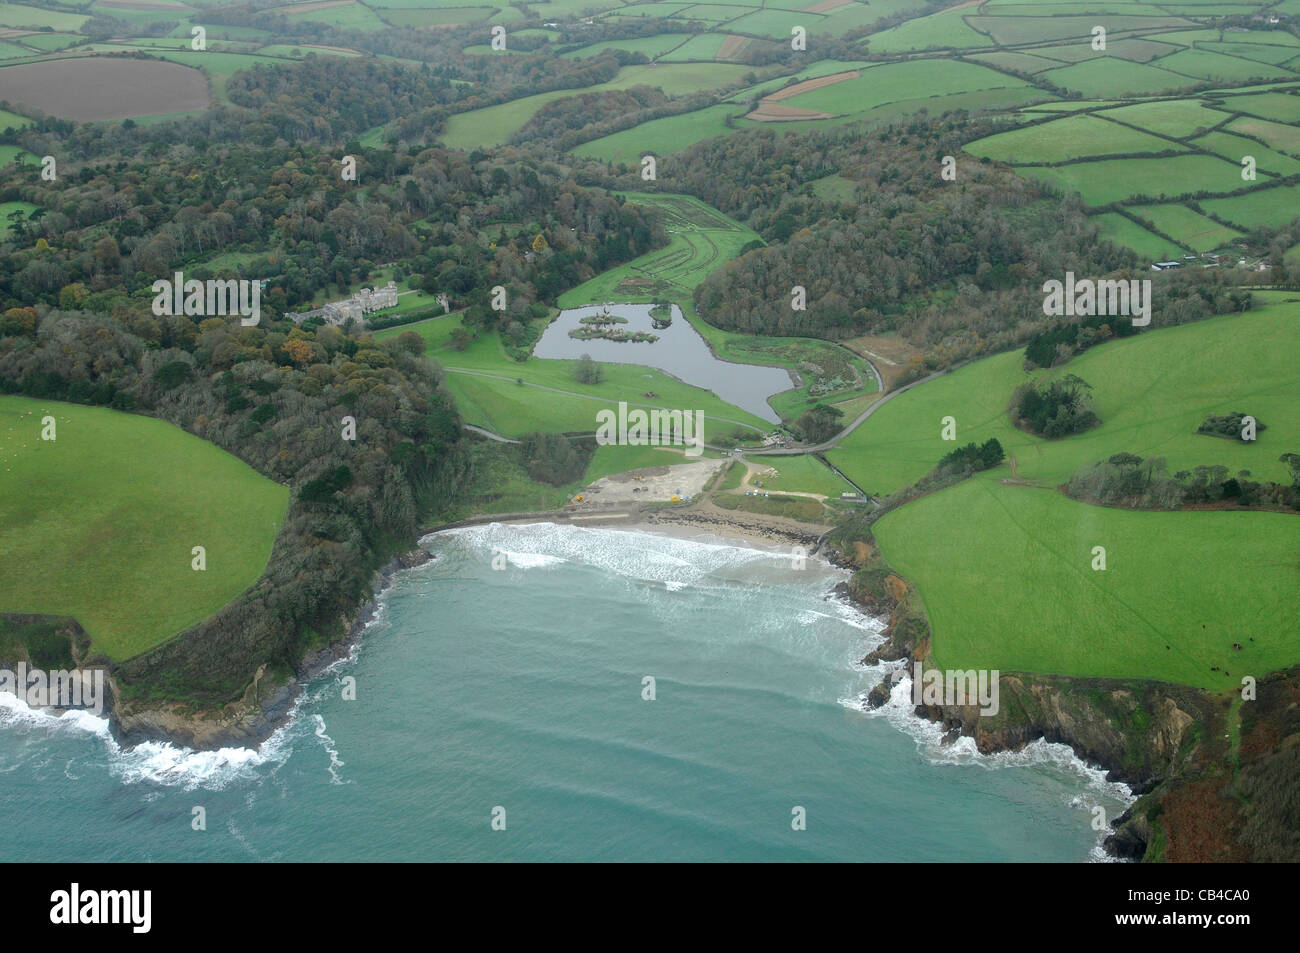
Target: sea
(547,692)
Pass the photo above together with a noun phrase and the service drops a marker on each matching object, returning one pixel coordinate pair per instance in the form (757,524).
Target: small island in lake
(603,325)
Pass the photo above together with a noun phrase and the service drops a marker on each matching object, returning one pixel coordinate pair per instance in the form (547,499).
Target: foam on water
(672,561)
(170,765)
(782,617)
(934,744)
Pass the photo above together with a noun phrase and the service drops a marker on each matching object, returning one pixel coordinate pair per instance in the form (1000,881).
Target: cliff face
(1140,732)
(267,701)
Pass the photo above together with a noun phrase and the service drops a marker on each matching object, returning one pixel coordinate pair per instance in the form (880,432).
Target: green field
(19,15)
(1151,393)
(1113,180)
(945,30)
(494,125)
(1112,77)
(894,82)
(1005,571)
(100,523)
(1233,148)
(705,46)
(1177,118)
(1123,231)
(1282,107)
(1206,65)
(1071,137)
(8,154)
(1191,230)
(1271,207)
(702,238)
(1005,574)
(1013,30)
(662,136)
(1279,136)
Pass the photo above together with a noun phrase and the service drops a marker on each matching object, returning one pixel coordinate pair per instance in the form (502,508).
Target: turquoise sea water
(522,688)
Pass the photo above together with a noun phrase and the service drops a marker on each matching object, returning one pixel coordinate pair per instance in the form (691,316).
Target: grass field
(1123,231)
(1191,230)
(1151,393)
(1207,65)
(1111,77)
(1265,206)
(1282,137)
(1282,107)
(1005,574)
(1071,137)
(1233,148)
(9,154)
(99,524)
(20,15)
(1005,571)
(902,81)
(1113,180)
(1177,117)
(944,30)
(651,46)
(494,125)
(662,136)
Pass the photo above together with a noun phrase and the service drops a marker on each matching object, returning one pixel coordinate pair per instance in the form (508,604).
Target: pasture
(661,137)
(1151,393)
(1114,180)
(1072,137)
(1124,231)
(99,523)
(1006,576)
(1191,230)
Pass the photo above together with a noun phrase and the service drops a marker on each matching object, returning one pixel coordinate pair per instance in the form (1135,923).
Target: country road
(858,421)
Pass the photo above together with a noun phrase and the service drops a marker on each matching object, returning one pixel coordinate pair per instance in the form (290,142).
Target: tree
(460,338)
(587,371)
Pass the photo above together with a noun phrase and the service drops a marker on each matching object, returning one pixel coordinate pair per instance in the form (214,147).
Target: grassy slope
(99,524)
(1005,571)
(1151,393)
(1006,576)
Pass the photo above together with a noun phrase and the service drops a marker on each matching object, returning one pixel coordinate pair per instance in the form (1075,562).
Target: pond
(679,351)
